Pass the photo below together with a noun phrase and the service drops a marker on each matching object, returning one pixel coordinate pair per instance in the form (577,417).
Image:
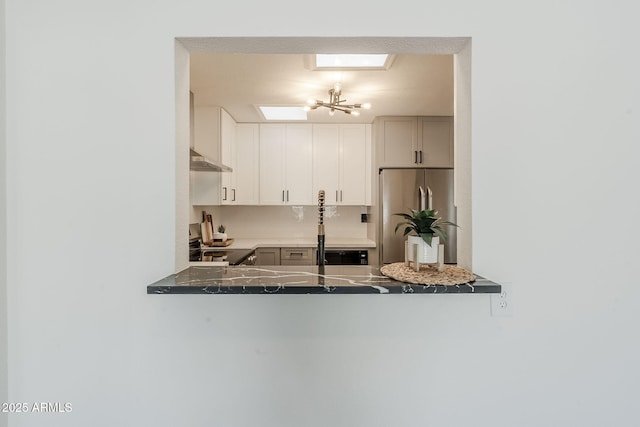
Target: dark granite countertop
(333,279)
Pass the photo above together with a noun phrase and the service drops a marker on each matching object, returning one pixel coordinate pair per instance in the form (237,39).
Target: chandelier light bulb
(306,108)
(332,112)
(311,101)
(366,106)
(355,113)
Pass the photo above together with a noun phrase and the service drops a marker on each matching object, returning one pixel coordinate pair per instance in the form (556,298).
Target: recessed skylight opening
(353,60)
(282,113)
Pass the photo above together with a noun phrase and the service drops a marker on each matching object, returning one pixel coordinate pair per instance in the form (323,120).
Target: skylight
(352,60)
(283,113)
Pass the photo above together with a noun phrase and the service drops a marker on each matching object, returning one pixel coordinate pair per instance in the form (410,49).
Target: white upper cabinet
(326,162)
(285,164)
(210,126)
(218,137)
(407,141)
(299,164)
(435,135)
(355,164)
(246,165)
(397,139)
(341,163)
(281,163)
(228,157)
(272,184)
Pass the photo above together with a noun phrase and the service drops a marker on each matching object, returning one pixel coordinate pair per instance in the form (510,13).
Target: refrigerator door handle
(430,199)
(423,200)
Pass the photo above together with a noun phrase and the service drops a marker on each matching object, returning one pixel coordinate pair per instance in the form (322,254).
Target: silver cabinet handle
(287,195)
(420,156)
(282,196)
(415,153)
(225,193)
(234,195)
(340,195)
(336,196)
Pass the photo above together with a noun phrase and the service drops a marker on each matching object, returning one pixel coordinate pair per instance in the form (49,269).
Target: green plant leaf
(427,237)
(441,233)
(424,223)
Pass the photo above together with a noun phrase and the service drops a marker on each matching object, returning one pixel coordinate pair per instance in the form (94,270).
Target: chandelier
(336,104)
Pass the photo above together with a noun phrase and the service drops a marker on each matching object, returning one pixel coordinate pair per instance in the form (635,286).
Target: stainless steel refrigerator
(420,188)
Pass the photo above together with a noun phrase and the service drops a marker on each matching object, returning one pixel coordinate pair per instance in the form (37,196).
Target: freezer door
(440,186)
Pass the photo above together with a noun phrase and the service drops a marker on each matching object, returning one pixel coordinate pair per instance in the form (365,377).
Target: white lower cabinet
(341,163)
(285,256)
(268,256)
(285,164)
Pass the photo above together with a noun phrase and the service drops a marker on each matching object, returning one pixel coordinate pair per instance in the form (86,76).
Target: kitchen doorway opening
(459,47)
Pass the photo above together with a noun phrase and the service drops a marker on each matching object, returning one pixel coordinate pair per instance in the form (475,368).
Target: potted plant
(428,228)
(220,235)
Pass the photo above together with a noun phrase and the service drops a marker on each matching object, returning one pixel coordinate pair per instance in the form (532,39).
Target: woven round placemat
(428,275)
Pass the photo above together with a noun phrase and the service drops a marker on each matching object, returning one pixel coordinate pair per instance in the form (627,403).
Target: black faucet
(321,260)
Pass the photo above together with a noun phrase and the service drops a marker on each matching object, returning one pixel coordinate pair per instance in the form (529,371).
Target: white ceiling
(415,84)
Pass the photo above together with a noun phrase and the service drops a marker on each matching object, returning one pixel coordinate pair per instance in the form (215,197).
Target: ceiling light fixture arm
(335,103)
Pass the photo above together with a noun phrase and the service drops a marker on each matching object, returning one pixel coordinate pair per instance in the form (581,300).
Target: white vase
(220,236)
(426,254)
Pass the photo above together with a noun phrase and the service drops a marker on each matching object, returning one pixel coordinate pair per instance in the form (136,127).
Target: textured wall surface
(3,227)
(91,155)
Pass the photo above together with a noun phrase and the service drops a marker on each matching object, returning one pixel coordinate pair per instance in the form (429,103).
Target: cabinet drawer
(296,256)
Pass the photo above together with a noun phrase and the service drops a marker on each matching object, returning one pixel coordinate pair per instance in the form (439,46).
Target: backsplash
(284,221)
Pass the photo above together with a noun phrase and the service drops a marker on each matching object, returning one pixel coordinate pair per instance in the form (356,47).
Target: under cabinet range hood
(200,163)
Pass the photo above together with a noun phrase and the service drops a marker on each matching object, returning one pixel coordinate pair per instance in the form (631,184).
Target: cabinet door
(298,164)
(246,168)
(268,256)
(227,157)
(353,165)
(397,141)
(272,185)
(326,141)
(436,137)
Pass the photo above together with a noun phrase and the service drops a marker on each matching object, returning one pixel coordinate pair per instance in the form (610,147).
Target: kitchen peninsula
(352,279)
